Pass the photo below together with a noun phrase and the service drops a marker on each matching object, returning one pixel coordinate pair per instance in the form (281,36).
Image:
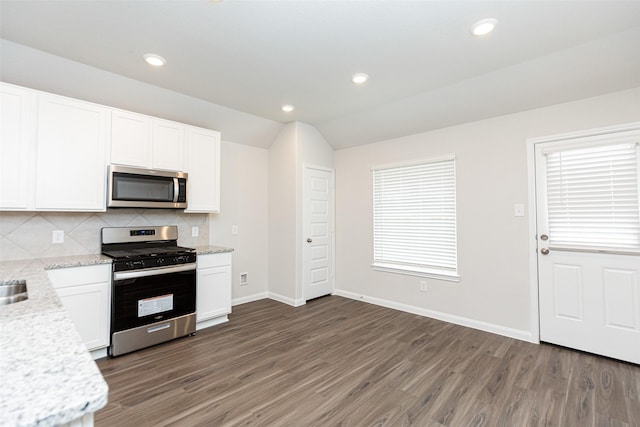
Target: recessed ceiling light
(359,78)
(484,26)
(155,60)
(287,108)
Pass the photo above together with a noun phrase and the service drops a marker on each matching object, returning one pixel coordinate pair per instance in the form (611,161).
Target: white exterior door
(319,232)
(588,231)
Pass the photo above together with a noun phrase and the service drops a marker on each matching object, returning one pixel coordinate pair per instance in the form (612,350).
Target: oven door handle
(123,275)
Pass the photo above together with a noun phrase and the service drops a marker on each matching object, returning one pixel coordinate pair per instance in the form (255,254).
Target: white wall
(296,145)
(282,215)
(313,150)
(491,161)
(244,203)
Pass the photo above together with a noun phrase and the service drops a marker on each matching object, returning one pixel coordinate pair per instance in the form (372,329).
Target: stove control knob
(132,265)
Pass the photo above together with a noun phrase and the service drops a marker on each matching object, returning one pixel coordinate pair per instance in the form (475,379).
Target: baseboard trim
(250,298)
(458,320)
(99,353)
(211,322)
(286,300)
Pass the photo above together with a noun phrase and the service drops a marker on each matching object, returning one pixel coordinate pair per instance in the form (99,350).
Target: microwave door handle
(176,190)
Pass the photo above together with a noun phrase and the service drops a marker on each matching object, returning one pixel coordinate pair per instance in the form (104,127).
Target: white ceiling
(426,70)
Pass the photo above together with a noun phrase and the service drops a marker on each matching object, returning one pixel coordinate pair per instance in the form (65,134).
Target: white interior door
(319,232)
(588,229)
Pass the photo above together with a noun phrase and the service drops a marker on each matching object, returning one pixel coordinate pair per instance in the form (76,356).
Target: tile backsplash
(25,235)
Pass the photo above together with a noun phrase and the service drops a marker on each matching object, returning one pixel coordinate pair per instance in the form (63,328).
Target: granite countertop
(48,377)
(206,250)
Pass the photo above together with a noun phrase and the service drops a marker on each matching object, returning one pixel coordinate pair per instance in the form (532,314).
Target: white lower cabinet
(85,294)
(84,421)
(213,289)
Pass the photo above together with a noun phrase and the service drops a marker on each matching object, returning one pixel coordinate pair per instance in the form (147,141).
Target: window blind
(592,197)
(414,218)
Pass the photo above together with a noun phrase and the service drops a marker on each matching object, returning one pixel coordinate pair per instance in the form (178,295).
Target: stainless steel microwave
(146,188)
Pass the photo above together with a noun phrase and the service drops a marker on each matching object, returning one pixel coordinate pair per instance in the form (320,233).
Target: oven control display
(155,305)
(142,232)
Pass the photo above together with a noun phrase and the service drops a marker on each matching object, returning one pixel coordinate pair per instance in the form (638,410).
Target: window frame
(578,143)
(434,272)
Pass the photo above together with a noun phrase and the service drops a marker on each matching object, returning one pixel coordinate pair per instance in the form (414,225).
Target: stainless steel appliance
(146,188)
(153,296)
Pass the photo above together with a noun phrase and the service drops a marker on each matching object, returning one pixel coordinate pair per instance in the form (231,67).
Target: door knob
(544,251)
(309,240)
(544,237)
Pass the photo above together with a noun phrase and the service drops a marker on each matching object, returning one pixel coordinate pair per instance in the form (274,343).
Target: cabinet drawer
(214,260)
(74,276)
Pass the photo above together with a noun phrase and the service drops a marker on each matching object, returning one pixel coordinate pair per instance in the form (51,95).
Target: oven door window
(131,187)
(146,300)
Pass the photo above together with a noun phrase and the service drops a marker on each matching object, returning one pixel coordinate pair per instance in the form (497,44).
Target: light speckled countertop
(47,375)
(206,250)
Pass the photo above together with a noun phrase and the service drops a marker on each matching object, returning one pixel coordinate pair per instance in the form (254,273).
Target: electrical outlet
(57,236)
(518,209)
(423,286)
(234,229)
(244,279)
(195,231)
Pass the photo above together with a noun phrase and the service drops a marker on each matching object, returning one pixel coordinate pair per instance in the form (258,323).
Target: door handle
(158,328)
(544,237)
(544,251)
(309,240)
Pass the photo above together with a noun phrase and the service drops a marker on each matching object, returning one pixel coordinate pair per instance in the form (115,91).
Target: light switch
(195,231)
(234,229)
(518,209)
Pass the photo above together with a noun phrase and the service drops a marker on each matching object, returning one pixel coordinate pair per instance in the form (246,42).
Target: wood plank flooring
(339,362)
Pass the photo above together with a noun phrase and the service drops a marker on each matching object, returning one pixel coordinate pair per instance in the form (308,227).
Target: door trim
(532,209)
(305,212)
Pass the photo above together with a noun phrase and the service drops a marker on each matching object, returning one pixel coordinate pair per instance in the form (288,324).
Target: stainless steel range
(153,296)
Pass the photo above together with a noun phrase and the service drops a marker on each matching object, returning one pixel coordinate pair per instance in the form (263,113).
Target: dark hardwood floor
(341,362)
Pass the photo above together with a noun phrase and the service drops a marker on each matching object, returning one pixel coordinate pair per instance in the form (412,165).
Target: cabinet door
(16,111)
(203,166)
(213,292)
(131,139)
(70,154)
(168,145)
(88,308)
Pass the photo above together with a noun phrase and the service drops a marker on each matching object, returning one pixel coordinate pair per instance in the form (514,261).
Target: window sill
(415,271)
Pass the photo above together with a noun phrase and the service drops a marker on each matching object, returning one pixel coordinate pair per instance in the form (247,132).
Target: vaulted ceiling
(426,70)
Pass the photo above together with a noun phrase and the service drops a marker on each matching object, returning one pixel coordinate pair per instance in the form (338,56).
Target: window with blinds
(414,218)
(592,197)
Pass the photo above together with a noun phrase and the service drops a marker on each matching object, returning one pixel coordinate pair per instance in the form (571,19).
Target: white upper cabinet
(131,139)
(71,147)
(168,145)
(203,167)
(147,142)
(16,107)
(54,152)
